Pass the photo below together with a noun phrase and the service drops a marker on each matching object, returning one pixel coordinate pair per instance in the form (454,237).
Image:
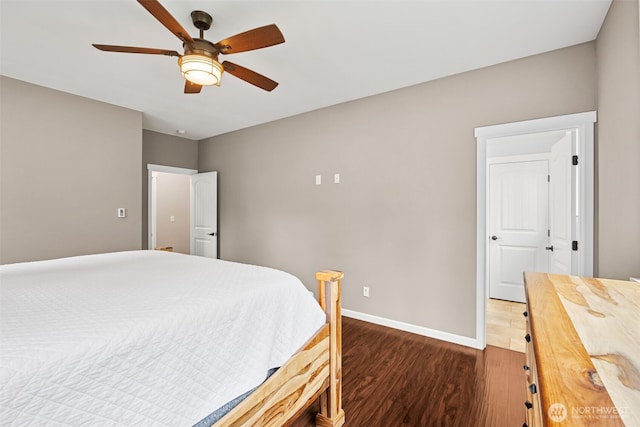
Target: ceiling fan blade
(190,87)
(131,49)
(250,76)
(166,19)
(266,36)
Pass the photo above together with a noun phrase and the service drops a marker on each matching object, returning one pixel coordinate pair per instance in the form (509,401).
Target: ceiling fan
(199,63)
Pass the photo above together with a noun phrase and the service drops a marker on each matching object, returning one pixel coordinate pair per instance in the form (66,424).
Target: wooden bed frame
(315,371)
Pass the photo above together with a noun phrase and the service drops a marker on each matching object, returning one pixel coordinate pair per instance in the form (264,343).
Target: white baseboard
(420,330)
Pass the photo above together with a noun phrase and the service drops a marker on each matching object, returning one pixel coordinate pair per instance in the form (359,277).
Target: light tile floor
(506,326)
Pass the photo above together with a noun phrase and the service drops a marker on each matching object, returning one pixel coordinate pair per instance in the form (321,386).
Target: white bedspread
(141,338)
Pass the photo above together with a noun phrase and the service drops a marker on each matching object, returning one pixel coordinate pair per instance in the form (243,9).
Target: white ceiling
(335,51)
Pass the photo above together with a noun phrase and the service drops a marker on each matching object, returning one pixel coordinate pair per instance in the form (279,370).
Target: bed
(157,338)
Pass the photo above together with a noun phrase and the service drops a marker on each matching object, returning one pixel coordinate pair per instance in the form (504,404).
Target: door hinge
(574,160)
(574,245)
(548,178)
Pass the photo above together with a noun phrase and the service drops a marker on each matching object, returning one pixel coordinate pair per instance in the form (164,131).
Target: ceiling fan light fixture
(200,69)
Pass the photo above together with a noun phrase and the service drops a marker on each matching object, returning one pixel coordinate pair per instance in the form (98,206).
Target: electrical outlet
(365,291)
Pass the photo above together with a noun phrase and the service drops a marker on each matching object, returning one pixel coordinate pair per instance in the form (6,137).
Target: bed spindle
(329,291)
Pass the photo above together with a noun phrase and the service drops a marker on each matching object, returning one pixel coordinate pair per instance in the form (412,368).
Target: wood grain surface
(582,331)
(606,316)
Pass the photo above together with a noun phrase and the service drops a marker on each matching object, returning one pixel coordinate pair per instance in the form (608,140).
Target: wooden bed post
(331,413)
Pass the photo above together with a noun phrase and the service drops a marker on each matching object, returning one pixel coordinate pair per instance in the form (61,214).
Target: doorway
(524,138)
(172,212)
(201,215)
(169,207)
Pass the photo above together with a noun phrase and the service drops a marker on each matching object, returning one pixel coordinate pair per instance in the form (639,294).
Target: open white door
(518,225)
(204,214)
(560,199)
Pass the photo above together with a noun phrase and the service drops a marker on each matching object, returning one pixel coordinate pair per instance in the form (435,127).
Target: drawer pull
(526,367)
(527,338)
(525,313)
(528,404)
(533,389)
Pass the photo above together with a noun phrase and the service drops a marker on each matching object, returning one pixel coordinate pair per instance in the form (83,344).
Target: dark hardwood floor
(393,378)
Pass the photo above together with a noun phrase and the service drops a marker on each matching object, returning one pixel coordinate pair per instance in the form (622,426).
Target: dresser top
(586,339)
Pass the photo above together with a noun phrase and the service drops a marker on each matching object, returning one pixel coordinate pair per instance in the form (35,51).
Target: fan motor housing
(202,47)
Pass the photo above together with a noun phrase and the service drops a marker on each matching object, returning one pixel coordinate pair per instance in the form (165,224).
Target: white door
(204,214)
(518,225)
(561,220)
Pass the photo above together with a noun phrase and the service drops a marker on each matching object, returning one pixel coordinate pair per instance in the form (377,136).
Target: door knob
(496,238)
(549,248)
(212,234)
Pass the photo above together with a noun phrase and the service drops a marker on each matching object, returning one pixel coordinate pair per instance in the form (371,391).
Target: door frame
(584,122)
(152,197)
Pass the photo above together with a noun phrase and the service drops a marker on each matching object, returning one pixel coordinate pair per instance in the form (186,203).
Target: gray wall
(402,221)
(67,164)
(165,150)
(619,142)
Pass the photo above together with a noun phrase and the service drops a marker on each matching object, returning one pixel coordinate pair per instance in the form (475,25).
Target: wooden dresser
(583,351)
